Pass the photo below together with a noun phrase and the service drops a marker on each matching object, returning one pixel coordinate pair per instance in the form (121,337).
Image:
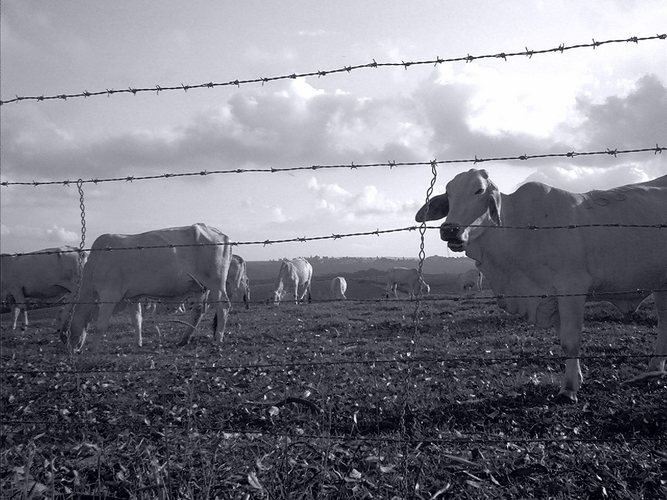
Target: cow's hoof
(645,377)
(566,397)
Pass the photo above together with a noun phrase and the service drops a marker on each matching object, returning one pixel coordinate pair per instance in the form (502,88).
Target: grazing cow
(469,281)
(172,264)
(237,280)
(338,288)
(48,274)
(294,277)
(409,278)
(559,269)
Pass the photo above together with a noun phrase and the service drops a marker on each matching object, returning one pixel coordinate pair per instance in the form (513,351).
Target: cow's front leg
(137,319)
(571,316)
(657,363)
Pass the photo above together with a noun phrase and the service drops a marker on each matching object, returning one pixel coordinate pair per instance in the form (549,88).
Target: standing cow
(470,281)
(170,264)
(338,288)
(408,278)
(48,274)
(238,283)
(547,275)
(294,277)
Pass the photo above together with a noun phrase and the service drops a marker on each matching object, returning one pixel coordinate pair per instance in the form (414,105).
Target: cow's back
(41,274)
(162,263)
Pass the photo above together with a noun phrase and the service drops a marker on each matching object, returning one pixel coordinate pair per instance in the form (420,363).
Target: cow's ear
(436,208)
(494,203)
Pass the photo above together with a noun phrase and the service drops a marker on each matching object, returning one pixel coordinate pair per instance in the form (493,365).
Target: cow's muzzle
(451,233)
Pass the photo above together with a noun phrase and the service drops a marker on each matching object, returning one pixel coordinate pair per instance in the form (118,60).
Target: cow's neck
(488,248)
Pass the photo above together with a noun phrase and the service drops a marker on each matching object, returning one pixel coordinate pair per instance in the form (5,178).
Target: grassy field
(333,400)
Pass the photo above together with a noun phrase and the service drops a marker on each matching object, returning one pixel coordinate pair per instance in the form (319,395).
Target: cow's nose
(449,231)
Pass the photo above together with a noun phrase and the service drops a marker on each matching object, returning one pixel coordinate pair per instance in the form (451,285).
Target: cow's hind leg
(222,307)
(571,316)
(656,365)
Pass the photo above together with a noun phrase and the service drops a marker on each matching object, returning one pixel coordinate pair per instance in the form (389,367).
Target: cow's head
(470,199)
(71,333)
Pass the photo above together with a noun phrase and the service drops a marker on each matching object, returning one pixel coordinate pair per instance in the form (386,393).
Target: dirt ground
(334,400)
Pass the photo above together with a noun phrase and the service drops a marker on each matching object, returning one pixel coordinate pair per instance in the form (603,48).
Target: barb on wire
(353,166)
(345,69)
(336,236)
(593,295)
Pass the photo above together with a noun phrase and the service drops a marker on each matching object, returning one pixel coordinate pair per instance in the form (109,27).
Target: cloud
(62,235)
(22,237)
(636,120)
(295,123)
(368,201)
(582,179)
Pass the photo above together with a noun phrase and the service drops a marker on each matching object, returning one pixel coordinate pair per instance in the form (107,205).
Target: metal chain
(406,413)
(422,253)
(82,257)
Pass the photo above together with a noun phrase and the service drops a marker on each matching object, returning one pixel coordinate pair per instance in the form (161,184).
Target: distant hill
(365,276)
(340,266)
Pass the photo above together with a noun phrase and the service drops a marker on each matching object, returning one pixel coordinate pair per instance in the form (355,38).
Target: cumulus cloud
(23,237)
(295,123)
(635,120)
(368,201)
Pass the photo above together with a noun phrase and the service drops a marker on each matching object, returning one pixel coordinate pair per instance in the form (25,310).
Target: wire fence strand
(343,70)
(352,166)
(338,236)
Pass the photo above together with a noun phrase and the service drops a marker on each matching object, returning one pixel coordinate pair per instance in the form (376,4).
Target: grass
(333,400)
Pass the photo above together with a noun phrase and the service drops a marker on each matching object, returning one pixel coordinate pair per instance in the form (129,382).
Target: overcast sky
(583,100)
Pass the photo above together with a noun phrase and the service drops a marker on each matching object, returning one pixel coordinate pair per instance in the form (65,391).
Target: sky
(581,100)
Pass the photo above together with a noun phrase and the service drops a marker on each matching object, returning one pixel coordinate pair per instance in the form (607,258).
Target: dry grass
(292,406)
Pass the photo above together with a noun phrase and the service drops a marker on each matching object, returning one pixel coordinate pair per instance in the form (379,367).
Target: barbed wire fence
(345,69)
(194,368)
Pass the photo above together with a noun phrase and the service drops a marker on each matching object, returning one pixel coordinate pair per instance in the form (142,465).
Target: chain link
(65,331)
(422,253)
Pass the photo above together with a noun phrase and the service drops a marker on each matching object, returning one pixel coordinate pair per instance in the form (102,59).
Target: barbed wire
(232,432)
(352,166)
(337,236)
(592,295)
(345,69)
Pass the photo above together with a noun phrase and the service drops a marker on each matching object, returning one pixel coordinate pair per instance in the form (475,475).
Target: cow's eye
(479,191)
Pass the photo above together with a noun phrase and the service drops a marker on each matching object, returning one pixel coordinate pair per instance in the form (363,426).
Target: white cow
(338,288)
(409,278)
(238,283)
(49,274)
(469,281)
(294,277)
(560,268)
(172,264)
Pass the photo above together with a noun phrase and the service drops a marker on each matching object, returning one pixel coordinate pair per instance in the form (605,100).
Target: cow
(48,274)
(338,288)
(169,264)
(547,275)
(409,278)
(469,281)
(237,280)
(294,277)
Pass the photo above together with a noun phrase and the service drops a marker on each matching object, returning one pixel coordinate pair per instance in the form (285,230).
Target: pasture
(334,400)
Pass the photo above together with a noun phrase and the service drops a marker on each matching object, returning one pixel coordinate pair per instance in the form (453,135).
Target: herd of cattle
(543,275)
